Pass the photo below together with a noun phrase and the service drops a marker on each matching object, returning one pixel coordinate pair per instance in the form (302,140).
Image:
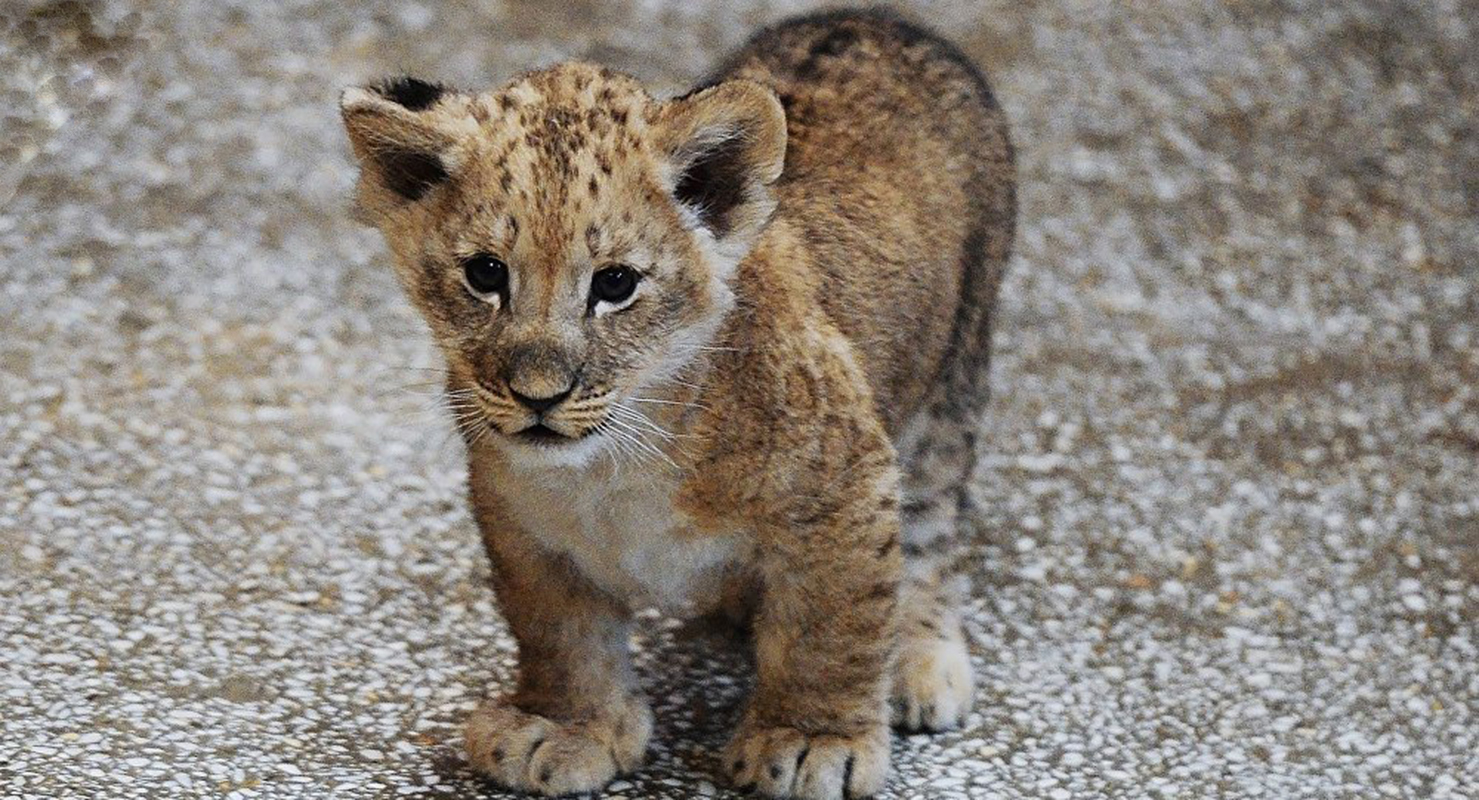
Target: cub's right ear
(406,134)
(725,147)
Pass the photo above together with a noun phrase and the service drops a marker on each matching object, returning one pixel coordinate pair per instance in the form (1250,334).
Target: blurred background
(1228,517)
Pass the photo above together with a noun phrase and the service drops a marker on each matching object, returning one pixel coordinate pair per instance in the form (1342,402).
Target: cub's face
(570,241)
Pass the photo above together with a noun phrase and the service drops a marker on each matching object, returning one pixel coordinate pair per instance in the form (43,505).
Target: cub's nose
(539,404)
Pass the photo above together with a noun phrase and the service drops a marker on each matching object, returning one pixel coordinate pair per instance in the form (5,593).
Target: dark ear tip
(411,93)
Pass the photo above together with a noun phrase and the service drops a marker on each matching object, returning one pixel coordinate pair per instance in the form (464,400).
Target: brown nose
(540,404)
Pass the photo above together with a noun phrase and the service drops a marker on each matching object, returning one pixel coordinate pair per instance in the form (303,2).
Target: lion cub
(724,352)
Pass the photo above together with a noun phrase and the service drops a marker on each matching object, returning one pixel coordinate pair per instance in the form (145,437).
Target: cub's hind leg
(932,678)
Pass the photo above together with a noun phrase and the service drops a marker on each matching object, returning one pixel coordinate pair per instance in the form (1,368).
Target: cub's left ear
(725,146)
(406,134)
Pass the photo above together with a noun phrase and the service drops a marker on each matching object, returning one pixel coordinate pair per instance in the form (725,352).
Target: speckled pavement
(1228,521)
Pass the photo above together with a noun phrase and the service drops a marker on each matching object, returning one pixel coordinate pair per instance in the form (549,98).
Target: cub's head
(570,240)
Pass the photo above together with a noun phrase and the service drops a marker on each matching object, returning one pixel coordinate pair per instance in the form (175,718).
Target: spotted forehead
(556,121)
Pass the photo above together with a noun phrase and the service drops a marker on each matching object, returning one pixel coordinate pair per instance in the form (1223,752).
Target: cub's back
(899,176)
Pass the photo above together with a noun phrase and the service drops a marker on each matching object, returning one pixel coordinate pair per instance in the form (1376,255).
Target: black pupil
(485,274)
(614,284)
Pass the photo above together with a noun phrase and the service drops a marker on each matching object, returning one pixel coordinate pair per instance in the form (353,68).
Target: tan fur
(780,417)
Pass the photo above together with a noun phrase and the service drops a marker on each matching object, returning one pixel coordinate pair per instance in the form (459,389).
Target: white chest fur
(621,529)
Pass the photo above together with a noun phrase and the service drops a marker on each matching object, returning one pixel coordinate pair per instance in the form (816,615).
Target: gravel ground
(1229,517)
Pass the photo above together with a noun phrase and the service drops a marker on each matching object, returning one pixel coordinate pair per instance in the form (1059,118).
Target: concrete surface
(1229,525)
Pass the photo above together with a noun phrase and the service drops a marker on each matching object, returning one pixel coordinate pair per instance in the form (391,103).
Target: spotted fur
(778,420)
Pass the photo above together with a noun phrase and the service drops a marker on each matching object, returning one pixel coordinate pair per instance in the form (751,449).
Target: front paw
(786,763)
(532,753)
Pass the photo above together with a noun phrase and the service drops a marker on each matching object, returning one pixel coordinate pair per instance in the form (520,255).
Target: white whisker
(640,441)
(678,403)
(640,419)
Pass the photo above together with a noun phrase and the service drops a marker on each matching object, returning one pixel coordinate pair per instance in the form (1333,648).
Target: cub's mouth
(545,436)
(540,434)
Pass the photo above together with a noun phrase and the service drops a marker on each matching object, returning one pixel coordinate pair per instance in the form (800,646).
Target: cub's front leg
(817,725)
(576,718)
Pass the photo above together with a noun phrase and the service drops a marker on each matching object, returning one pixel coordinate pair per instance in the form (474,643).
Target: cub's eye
(485,275)
(613,284)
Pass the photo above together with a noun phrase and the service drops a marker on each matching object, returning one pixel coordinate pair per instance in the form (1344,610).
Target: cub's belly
(628,540)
